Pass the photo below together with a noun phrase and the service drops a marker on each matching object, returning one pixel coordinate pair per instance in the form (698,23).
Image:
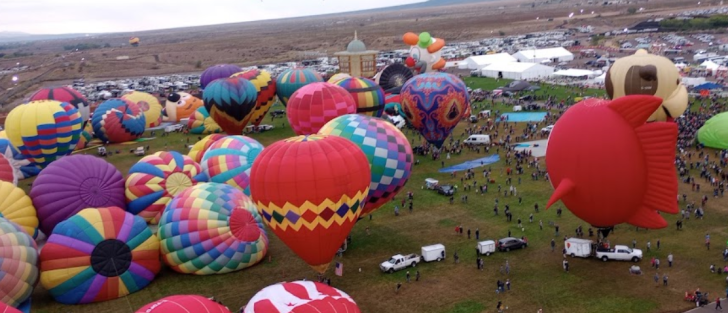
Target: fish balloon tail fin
(635,109)
(647,218)
(564,188)
(658,141)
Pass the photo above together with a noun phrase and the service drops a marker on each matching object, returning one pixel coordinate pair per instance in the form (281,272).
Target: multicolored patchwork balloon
(199,148)
(291,80)
(310,191)
(434,103)
(99,255)
(44,130)
(18,161)
(386,147)
(230,102)
(18,264)
(301,297)
(183,303)
(155,179)
(118,120)
(202,123)
(229,160)
(369,96)
(216,72)
(65,94)
(149,104)
(316,104)
(266,87)
(211,229)
(17,207)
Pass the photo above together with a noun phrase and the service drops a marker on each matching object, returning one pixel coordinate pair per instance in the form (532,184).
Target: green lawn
(536,275)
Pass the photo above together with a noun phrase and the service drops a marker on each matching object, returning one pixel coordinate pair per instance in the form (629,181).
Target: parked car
(511,243)
(473,119)
(139,151)
(548,129)
(398,262)
(619,252)
(434,252)
(447,190)
(477,140)
(278,113)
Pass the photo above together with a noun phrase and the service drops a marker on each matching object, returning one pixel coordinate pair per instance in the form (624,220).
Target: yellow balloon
(149,104)
(17,207)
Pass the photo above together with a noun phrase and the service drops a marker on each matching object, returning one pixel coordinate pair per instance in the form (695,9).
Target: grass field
(537,278)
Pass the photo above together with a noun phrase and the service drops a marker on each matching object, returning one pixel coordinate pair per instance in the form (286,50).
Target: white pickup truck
(398,262)
(619,252)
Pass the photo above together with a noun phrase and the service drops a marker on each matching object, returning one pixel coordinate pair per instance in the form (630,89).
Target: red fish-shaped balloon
(609,167)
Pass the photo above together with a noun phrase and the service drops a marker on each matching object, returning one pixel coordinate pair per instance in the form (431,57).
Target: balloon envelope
(216,72)
(199,148)
(118,120)
(714,132)
(65,94)
(369,96)
(301,296)
(149,104)
(183,303)
(230,102)
(265,85)
(291,80)
(316,104)
(18,161)
(181,105)
(16,207)
(18,264)
(202,123)
(229,160)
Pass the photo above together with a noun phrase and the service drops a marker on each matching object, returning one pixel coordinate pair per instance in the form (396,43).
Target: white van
(486,247)
(477,140)
(434,252)
(578,247)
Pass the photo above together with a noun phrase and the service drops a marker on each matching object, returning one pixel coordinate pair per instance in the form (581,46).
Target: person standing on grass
(553,244)
(657,264)
(468,233)
(664,280)
(399,285)
(566,265)
(540,224)
(508,284)
(408,276)
(717,304)
(658,243)
(669,260)
(461,229)
(657,278)
(707,241)
(417,276)
(477,234)
(649,245)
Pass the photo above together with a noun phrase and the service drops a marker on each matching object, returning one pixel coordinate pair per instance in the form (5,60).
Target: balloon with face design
(434,103)
(425,54)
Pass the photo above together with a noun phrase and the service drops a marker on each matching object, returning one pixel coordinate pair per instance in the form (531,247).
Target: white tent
(517,70)
(573,72)
(600,79)
(558,54)
(478,62)
(710,65)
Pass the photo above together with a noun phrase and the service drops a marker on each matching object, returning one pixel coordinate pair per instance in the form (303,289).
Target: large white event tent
(573,72)
(478,62)
(558,54)
(517,70)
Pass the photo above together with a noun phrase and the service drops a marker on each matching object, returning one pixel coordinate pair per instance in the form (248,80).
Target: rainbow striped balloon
(155,179)
(369,96)
(200,147)
(98,255)
(228,161)
(211,229)
(18,264)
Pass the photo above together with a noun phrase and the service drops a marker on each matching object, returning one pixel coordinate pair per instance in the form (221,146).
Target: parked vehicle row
(585,248)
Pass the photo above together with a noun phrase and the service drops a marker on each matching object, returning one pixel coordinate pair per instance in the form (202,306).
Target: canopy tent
(519,85)
(600,79)
(714,133)
(478,62)
(517,70)
(708,86)
(573,72)
(558,54)
(710,65)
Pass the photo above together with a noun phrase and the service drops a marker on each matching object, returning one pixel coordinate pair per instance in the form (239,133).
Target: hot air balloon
(393,77)
(310,191)
(118,120)
(337,77)
(434,103)
(425,54)
(83,140)
(199,148)
(5,308)
(291,80)
(393,106)
(202,123)
(230,102)
(72,184)
(99,255)
(17,207)
(369,97)
(155,179)
(265,85)
(44,130)
(301,296)
(149,104)
(181,105)
(65,94)
(18,161)
(134,41)
(216,72)
(230,159)
(388,151)
(211,229)
(18,264)
(7,171)
(183,303)
(315,104)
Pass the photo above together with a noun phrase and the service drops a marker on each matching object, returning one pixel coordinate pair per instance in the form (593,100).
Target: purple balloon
(74,183)
(218,71)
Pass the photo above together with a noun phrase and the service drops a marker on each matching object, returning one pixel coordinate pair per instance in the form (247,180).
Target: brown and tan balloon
(649,74)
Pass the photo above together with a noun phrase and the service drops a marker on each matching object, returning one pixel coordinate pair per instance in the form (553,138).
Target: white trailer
(577,247)
(486,247)
(434,252)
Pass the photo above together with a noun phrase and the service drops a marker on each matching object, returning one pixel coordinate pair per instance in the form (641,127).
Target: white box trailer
(577,247)
(434,252)
(486,247)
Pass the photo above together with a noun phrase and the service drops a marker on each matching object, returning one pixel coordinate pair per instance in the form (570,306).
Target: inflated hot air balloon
(99,255)
(72,184)
(18,161)
(291,80)
(337,77)
(310,191)
(393,77)
(3,134)
(149,104)
(369,97)
(118,120)
(425,54)
(211,229)
(216,72)
(229,160)
(17,207)
(65,94)
(265,85)
(714,133)
(202,123)
(18,264)
(434,103)
(199,148)
(181,105)
(183,303)
(315,105)
(301,297)
(5,308)
(134,41)
(44,130)
(83,140)
(230,102)
(386,147)
(7,171)
(155,179)
(393,106)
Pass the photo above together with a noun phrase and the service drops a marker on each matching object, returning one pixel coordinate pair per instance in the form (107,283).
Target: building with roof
(357,60)
(517,71)
(478,62)
(556,55)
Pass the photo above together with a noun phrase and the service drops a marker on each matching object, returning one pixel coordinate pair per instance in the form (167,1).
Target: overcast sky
(102,16)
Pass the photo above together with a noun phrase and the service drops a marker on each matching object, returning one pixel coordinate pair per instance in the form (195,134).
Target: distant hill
(19,37)
(426,4)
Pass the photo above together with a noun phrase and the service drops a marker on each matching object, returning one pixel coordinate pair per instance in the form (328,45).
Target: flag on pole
(339,269)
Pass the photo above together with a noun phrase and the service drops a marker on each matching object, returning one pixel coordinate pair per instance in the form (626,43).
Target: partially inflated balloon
(99,255)
(291,80)
(7,172)
(149,104)
(202,123)
(434,103)
(44,130)
(337,77)
(301,297)
(230,159)
(17,207)
(181,105)
(388,151)
(230,102)
(18,161)
(183,303)
(18,264)
(211,229)
(65,94)
(369,96)
(118,120)
(155,179)
(199,148)
(83,140)
(315,104)
(216,72)
(266,87)
(310,191)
